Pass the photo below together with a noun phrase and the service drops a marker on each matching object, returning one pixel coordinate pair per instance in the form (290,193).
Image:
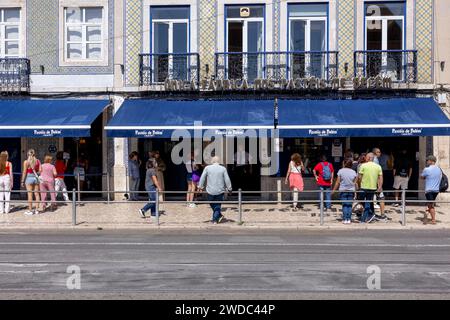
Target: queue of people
(360,183)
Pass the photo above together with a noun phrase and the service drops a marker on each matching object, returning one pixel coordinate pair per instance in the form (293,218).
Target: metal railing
(156,68)
(14,75)
(276,65)
(399,65)
(320,201)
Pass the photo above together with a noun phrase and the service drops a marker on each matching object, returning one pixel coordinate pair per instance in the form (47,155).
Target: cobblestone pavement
(178,215)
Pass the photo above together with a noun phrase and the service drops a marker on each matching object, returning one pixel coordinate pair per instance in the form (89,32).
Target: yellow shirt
(370,172)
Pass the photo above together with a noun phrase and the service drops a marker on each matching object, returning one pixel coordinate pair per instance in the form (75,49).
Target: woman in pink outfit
(48,174)
(294,178)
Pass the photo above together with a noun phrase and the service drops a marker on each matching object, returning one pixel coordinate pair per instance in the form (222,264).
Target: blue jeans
(151,197)
(216,207)
(369,209)
(327,195)
(347,198)
(134,186)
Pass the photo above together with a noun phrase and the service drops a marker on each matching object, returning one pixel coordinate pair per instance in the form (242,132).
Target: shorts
(31,179)
(401,183)
(189,177)
(431,196)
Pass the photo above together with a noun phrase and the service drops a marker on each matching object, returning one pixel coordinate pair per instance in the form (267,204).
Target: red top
(61,167)
(319,168)
(8,168)
(36,167)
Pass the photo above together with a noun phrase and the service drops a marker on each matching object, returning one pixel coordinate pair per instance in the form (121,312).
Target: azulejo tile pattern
(276,25)
(43,39)
(424,36)
(133,41)
(346,20)
(207,35)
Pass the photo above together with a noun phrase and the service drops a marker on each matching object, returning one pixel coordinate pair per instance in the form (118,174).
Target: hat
(431,158)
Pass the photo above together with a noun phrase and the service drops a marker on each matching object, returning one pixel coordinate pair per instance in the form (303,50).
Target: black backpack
(444,183)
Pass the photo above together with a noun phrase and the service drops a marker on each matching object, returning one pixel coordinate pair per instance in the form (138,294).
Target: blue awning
(160,118)
(362,118)
(48,118)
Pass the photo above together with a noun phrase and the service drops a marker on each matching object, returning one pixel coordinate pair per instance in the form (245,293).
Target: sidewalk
(178,216)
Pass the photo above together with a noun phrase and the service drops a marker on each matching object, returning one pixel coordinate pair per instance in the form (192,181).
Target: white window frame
(3,40)
(308,21)
(170,22)
(84,42)
(63,60)
(384,39)
(245,22)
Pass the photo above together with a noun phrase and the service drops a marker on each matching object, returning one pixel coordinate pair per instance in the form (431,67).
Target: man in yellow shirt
(371,181)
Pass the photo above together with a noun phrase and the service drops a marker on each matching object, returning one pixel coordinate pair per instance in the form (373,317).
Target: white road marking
(222,244)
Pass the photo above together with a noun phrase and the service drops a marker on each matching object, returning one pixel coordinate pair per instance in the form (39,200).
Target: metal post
(157,207)
(108,196)
(321,207)
(403,207)
(74,207)
(78,186)
(240,205)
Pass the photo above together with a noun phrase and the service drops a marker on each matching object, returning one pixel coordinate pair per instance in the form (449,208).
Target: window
(10,32)
(308,39)
(384,38)
(170,42)
(244,41)
(83,33)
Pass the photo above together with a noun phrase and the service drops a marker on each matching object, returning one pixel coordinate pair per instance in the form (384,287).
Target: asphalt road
(216,264)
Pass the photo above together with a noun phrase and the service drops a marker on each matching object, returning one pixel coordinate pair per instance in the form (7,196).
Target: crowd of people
(360,183)
(41,180)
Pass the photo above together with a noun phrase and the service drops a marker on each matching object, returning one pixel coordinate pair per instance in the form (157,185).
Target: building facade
(298,52)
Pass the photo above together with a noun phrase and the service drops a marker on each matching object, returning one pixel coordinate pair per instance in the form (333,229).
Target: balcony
(399,65)
(14,75)
(156,69)
(276,65)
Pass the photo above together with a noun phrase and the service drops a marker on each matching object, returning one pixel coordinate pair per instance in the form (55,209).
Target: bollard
(108,196)
(321,207)
(78,186)
(240,205)
(403,207)
(74,207)
(157,206)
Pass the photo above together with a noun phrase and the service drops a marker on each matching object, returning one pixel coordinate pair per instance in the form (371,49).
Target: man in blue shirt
(432,175)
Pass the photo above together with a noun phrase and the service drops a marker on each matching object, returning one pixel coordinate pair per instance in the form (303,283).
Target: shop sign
(148,133)
(407,132)
(323,132)
(312,83)
(47,133)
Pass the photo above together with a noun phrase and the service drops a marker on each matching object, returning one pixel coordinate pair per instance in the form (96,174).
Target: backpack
(326,172)
(443,186)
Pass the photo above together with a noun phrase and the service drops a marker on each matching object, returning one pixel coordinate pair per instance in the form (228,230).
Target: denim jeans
(151,197)
(327,196)
(216,207)
(347,198)
(134,186)
(369,209)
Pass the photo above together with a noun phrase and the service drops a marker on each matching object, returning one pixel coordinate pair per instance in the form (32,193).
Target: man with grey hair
(217,183)
(371,179)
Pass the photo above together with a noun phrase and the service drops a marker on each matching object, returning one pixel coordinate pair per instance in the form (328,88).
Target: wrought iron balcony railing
(14,75)
(276,65)
(157,68)
(399,65)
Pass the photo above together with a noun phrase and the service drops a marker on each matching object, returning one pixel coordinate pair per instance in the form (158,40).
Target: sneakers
(396,204)
(346,221)
(142,213)
(371,219)
(220,219)
(28,213)
(192,205)
(376,206)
